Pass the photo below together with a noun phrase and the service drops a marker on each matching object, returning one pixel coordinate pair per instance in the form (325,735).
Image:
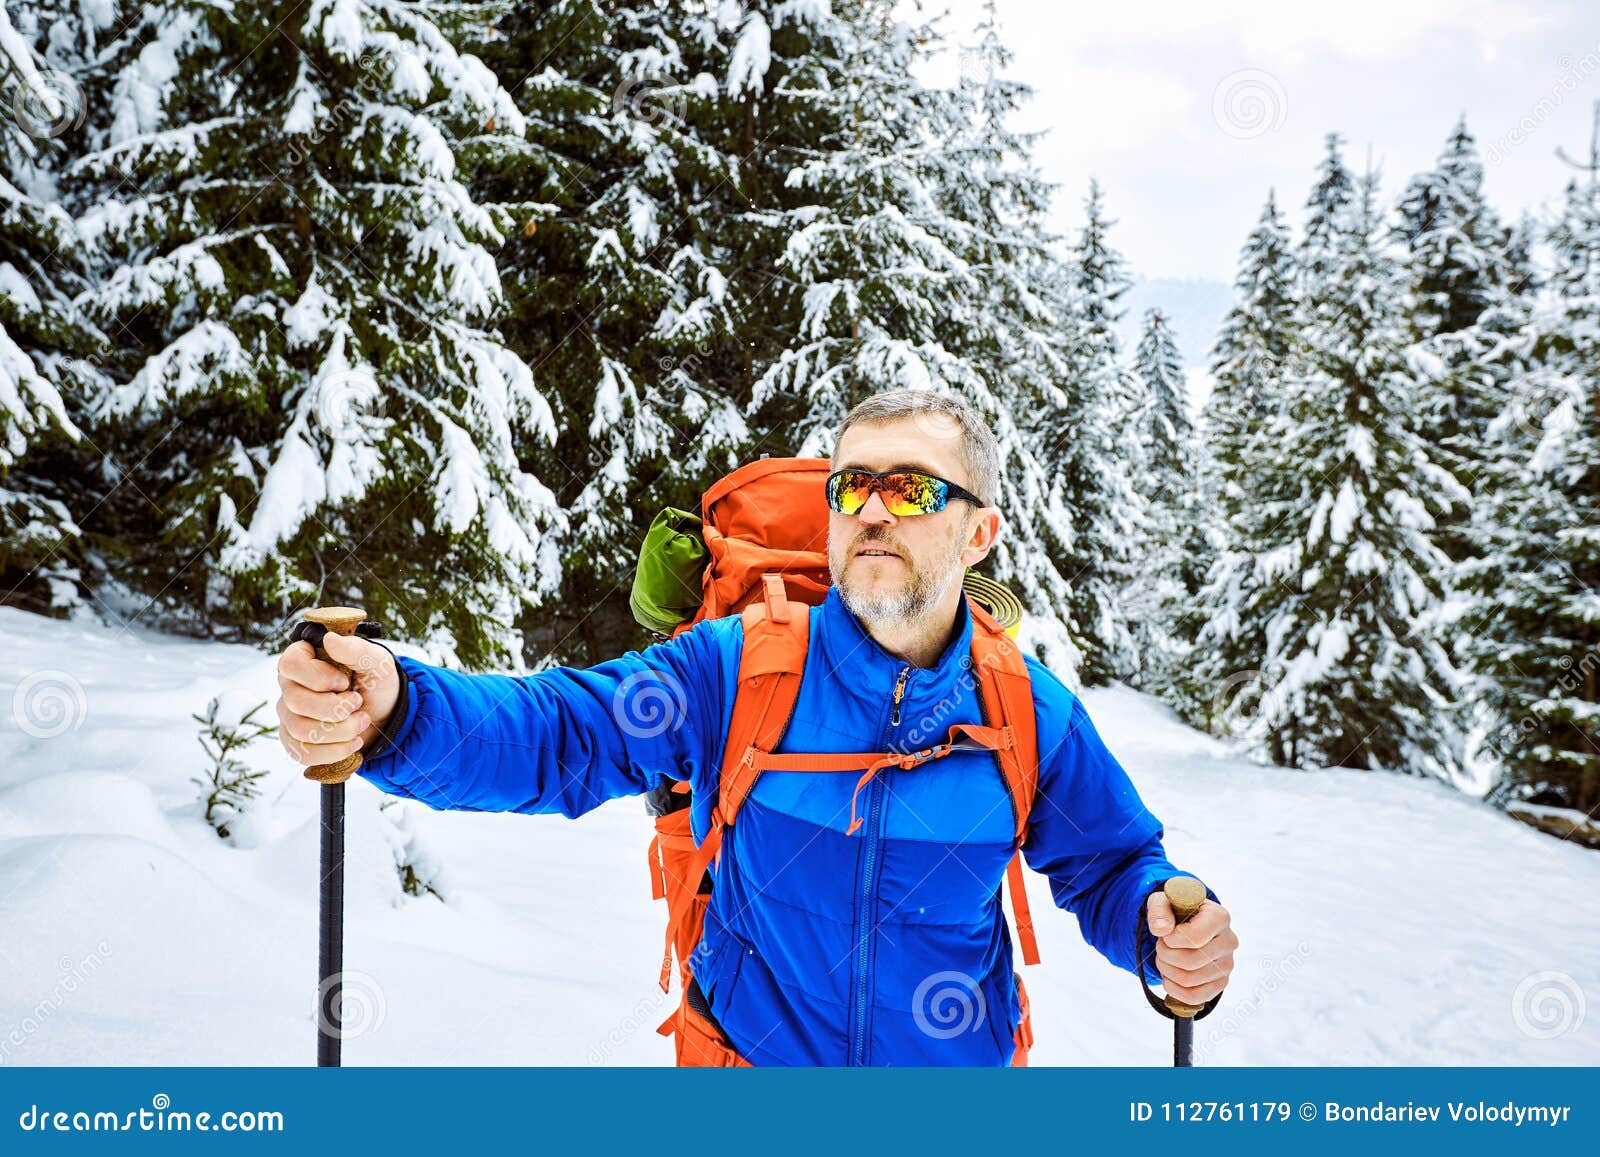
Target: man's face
(889,568)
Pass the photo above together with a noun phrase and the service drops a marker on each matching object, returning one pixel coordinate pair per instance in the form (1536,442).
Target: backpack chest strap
(962,737)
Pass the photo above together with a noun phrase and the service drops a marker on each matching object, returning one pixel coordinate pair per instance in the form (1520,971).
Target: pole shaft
(330,948)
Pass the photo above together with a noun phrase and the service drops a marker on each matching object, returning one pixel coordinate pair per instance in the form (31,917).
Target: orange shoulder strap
(1007,694)
(773,658)
(1006,691)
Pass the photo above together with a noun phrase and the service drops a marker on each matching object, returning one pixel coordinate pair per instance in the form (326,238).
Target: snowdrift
(1384,920)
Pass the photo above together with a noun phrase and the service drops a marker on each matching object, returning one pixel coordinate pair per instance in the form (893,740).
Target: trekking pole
(330,944)
(1186,895)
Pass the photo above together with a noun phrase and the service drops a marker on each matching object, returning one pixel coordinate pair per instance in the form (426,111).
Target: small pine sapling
(229,783)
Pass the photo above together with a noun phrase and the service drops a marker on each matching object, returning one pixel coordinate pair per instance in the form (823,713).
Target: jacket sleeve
(564,739)
(1090,833)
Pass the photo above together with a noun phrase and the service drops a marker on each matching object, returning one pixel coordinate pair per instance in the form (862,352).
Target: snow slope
(1383,920)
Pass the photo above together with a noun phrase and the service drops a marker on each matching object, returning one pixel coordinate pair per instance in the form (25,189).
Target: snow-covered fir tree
(1167,435)
(1455,263)
(1327,611)
(870,280)
(1248,360)
(1458,278)
(1534,623)
(1019,334)
(881,243)
(618,276)
(1240,420)
(312,403)
(1091,447)
(1168,432)
(45,345)
(1247,417)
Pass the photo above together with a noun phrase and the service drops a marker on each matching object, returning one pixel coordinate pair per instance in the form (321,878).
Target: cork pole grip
(1186,894)
(341,621)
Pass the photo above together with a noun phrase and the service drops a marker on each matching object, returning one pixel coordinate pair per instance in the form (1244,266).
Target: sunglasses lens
(911,493)
(849,490)
(904,493)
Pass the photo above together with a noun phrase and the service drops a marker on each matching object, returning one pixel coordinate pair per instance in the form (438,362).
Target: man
(850,923)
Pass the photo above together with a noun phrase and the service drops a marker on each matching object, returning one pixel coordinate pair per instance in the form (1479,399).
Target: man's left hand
(1195,957)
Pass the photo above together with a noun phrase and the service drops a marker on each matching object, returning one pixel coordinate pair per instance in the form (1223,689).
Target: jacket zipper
(858,1034)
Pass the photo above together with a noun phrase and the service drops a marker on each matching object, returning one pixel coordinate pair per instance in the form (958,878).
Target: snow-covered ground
(1383,920)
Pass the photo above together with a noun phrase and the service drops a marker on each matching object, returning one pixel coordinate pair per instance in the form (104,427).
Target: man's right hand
(321,717)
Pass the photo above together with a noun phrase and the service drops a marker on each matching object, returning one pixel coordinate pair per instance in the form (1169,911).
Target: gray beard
(914,602)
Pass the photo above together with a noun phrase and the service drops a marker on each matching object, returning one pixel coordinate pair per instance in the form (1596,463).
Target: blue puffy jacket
(885,947)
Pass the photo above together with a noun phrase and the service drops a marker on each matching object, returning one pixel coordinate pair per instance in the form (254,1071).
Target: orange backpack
(765,528)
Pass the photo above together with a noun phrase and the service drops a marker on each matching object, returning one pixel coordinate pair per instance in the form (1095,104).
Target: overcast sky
(1187,113)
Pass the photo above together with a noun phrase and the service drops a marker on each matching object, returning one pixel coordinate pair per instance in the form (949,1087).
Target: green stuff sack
(666,584)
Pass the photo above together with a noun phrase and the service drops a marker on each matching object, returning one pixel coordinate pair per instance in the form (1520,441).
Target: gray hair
(980,453)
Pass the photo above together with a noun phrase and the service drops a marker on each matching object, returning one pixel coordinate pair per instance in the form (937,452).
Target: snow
(642,223)
(309,319)
(1345,510)
(1383,919)
(1559,426)
(141,89)
(294,487)
(341,27)
(23,394)
(814,12)
(199,360)
(305,106)
(463,478)
(752,56)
